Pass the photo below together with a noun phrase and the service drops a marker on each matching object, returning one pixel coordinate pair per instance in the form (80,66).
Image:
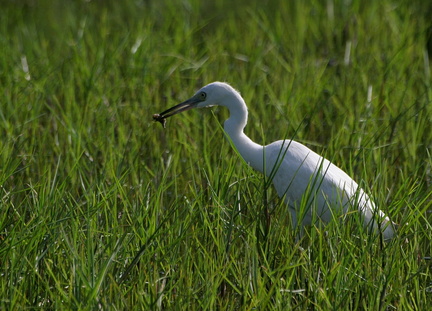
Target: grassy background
(89,182)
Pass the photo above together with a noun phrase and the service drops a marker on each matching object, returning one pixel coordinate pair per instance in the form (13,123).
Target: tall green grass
(102,208)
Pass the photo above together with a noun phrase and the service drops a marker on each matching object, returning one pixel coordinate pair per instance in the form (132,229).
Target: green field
(102,208)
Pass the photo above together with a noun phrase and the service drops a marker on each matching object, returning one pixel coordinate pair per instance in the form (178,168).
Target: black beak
(186,105)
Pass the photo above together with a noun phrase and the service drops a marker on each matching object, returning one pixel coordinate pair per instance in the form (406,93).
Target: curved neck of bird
(250,151)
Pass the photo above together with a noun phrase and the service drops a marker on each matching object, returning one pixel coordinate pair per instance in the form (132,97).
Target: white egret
(297,173)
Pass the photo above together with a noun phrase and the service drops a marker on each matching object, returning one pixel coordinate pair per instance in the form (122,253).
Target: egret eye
(203,95)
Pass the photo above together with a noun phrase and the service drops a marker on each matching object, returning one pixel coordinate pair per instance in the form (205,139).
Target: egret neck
(250,151)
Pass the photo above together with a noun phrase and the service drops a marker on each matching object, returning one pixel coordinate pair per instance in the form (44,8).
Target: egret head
(212,94)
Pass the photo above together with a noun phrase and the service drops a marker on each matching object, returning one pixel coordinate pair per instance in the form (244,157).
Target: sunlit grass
(102,208)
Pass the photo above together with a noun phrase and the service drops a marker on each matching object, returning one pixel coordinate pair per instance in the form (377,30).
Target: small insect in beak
(157,117)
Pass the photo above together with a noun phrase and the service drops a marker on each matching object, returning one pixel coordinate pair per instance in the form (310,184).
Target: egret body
(297,172)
